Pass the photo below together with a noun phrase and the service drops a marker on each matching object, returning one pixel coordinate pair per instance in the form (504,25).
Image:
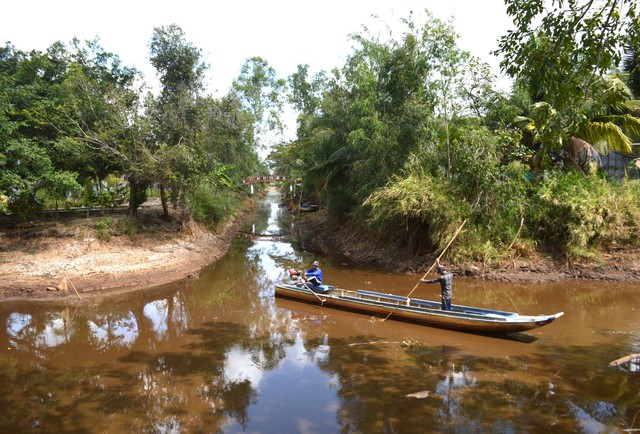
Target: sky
(285,33)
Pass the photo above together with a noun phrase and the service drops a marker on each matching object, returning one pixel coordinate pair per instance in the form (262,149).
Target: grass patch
(103,229)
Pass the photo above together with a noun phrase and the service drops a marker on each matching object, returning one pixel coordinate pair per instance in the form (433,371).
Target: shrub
(129,226)
(418,206)
(209,205)
(582,215)
(102,228)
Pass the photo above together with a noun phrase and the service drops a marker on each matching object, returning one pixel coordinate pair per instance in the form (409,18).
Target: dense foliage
(406,140)
(410,138)
(78,129)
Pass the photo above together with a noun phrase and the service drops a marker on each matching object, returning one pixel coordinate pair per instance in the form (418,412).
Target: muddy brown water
(221,354)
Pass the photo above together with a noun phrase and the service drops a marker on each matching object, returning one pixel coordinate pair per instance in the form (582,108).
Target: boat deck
(428,312)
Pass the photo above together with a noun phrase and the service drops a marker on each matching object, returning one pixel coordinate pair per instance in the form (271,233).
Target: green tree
(181,71)
(104,110)
(561,55)
(32,160)
(226,137)
(631,66)
(262,95)
(394,97)
(306,97)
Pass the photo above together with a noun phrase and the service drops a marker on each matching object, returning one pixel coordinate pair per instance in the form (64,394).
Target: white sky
(285,33)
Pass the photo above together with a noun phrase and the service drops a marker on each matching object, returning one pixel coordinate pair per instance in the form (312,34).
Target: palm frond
(542,113)
(629,124)
(605,137)
(522,122)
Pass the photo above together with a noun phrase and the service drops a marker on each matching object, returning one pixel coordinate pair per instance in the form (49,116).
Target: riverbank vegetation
(79,129)
(411,137)
(408,139)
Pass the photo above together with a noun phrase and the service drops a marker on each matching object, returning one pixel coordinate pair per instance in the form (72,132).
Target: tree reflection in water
(219,354)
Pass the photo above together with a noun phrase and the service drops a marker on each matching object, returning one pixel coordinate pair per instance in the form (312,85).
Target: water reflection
(220,354)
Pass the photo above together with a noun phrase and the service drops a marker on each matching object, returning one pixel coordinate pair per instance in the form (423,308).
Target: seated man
(314,274)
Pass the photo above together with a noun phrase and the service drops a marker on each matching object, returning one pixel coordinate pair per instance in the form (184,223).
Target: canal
(220,354)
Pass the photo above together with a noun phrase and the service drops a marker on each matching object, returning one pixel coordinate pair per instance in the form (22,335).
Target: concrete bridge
(271,179)
(266,178)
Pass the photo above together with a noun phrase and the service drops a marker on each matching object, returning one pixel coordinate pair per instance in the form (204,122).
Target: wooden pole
(625,359)
(304,283)
(72,285)
(516,237)
(437,261)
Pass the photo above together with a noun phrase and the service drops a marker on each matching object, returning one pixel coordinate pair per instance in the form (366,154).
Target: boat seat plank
(382,296)
(425,303)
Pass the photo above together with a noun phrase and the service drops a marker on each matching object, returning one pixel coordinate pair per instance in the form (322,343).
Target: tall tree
(631,66)
(561,51)
(181,71)
(390,100)
(32,159)
(104,108)
(225,138)
(261,93)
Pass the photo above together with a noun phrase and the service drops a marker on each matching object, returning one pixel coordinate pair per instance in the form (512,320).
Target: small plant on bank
(102,228)
(129,226)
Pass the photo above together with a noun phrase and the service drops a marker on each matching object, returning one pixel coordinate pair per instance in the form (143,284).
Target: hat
(316,263)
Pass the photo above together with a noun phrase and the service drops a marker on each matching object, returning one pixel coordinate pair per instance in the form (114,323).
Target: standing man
(446,281)
(314,274)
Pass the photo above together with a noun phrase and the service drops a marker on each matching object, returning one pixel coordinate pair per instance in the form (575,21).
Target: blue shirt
(314,272)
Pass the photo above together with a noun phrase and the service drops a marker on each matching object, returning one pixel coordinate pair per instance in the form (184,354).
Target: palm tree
(602,124)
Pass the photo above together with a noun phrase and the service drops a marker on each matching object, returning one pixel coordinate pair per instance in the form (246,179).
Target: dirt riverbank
(102,255)
(98,256)
(622,265)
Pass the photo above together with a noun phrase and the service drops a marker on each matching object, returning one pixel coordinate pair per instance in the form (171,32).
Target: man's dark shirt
(445,281)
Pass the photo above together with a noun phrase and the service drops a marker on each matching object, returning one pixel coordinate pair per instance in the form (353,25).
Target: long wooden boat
(426,312)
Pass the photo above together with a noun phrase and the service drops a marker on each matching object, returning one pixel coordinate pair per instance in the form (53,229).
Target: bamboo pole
(304,283)
(436,262)
(516,237)
(625,359)
(72,285)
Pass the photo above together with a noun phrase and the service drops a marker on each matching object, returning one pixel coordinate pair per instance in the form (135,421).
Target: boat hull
(425,312)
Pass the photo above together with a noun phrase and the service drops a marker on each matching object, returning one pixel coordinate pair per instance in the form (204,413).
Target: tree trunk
(137,194)
(163,199)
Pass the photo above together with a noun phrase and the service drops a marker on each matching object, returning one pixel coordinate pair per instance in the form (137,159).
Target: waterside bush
(210,205)
(575,216)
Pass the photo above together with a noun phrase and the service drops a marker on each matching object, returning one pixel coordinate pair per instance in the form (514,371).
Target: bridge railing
(266,178)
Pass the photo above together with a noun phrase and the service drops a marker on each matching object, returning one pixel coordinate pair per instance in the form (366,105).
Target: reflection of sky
(587,423)
(17,322)
(240,366)
(156,311)
(269,252)
(454,381)
(272,222)
(297,393)
(272,255)
(122,332)
(55,333)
